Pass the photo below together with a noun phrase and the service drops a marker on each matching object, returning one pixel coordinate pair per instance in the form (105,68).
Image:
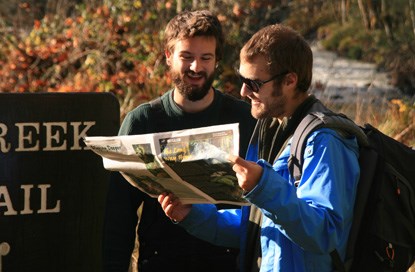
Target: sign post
(52,188)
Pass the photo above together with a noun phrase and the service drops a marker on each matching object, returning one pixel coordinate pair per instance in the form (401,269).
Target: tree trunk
(373,14)
(412,12)
(212,4)
(363,13)
(194,4)
(343,11)
(386,20)
(179,6)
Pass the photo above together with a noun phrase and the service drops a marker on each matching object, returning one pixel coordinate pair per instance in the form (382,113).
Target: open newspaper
(190,163)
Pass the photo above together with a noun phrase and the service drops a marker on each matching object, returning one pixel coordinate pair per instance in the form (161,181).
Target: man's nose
(196,66)
(245,91)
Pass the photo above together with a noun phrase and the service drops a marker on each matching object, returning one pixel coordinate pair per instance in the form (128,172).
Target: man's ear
(291,79)
(168,56)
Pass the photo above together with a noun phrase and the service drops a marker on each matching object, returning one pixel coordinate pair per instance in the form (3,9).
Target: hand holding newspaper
(190,163)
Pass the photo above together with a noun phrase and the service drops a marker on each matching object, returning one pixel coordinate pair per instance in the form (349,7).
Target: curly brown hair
(189,24)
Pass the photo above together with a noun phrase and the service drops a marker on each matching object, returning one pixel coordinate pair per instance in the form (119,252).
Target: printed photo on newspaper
(190,163)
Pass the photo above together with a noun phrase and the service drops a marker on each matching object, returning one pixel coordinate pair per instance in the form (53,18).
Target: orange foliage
(107,49)
(93,52)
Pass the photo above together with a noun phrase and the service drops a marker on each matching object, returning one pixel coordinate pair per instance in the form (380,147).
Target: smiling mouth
(254,99)
(194,76)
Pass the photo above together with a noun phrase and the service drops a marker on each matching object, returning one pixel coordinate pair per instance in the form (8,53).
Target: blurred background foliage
(115,45)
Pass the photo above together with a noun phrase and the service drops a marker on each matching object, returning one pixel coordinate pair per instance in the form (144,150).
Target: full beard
(189,91)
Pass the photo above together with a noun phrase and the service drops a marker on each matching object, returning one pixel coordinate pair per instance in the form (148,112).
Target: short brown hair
(189,24)
(285,51)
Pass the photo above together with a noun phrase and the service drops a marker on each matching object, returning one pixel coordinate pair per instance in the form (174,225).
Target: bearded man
(193,47)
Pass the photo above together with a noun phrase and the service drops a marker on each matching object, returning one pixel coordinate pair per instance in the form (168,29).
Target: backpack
(382,237)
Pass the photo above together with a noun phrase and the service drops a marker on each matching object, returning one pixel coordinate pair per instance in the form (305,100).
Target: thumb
(238,161)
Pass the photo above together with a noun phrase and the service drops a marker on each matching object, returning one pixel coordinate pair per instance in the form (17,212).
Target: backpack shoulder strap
(313,121)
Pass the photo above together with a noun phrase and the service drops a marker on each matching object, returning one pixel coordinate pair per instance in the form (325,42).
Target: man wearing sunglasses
(289,226)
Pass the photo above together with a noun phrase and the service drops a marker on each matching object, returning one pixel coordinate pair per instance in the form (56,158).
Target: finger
(240,161)
(165,201)
(240,178)
(175,200)
(237,168)
(242,167)
(234,159)
(239,164)
(171,206)
(161,197)
(171,212)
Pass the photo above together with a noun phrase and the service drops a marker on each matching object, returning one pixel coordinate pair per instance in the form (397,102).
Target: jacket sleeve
(219,227)
(317,215)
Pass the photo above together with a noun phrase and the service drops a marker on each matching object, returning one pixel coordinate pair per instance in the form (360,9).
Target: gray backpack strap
(311,122)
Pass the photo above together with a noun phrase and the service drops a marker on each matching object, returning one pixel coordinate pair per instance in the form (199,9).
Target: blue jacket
(300,225)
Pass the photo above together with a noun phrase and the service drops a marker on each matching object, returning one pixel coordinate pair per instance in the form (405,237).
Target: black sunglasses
(255,85)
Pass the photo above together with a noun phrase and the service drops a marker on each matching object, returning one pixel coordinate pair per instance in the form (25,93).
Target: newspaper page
(190,163)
